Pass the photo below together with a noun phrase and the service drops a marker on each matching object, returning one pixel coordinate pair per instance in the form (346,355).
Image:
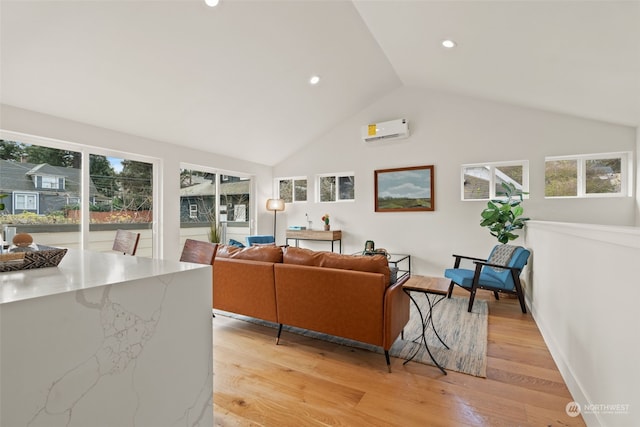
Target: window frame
(337,177)
(55,182)
(86,151)
(492,166)
(626,174)
(293,180)
(27,195)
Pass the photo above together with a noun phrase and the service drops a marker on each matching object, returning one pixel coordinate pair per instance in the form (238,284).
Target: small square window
(336,187)
(484,181)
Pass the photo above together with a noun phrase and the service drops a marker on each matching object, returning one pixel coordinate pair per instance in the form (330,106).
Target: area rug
(465,333)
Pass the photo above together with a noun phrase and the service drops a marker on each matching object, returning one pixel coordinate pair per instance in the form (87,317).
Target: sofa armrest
(396,312)
(245,287)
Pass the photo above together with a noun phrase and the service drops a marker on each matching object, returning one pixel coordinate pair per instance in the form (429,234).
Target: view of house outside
(199,193)
(478,179)
(40,188)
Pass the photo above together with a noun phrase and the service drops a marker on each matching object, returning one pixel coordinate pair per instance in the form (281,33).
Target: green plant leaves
(502,216)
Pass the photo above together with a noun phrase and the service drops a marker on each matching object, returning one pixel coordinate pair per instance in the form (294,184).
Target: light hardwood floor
(307,382)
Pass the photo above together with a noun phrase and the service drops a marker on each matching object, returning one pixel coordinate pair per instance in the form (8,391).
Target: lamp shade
(275,204)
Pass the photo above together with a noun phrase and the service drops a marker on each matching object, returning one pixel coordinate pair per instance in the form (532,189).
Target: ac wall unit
(393,129)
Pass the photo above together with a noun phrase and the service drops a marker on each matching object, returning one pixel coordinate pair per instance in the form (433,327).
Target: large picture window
(44,196)
(483,181)
(594,175)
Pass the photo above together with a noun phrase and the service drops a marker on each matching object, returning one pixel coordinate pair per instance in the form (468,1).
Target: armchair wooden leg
(474,286)
(450,289)
(520,294)
(279,332)
(471,298)
(386,355)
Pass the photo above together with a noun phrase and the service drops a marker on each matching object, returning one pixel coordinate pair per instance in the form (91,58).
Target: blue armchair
(499,273)
(260,239)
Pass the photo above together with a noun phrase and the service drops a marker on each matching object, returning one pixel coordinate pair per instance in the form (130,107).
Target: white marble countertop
(83,270)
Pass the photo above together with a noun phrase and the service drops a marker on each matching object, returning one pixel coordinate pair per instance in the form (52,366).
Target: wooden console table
(316,235)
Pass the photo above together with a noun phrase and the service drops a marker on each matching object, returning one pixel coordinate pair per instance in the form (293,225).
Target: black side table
(435,289)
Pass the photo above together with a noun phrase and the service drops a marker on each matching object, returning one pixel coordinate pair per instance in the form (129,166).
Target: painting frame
(407,189)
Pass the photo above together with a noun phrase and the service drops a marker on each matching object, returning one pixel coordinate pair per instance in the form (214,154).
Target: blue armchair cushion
(464,278)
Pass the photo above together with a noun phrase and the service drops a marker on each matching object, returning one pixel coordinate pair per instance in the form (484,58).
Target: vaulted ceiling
(234,79)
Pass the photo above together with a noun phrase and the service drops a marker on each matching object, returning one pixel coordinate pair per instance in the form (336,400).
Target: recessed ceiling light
(212,3)
(314,80)
(449,44)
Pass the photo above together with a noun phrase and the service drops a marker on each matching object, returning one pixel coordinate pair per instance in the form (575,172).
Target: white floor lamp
(275,205)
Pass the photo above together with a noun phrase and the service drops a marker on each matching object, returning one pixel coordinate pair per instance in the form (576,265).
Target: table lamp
(275,205)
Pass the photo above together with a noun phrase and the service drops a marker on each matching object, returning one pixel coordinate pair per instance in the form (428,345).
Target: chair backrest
(126,242)
(518,259)
(198,252)
(260,239)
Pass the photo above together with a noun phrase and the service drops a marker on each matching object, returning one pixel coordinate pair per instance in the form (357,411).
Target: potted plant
(214,232)
(325,219)
(504,215)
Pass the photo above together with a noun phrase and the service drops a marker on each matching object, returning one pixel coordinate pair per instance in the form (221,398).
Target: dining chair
(126,242)
(199,252)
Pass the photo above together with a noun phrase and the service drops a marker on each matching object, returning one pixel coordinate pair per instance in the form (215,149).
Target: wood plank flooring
(307,382)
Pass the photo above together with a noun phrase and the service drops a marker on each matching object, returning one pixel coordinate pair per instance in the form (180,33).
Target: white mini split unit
(393,129)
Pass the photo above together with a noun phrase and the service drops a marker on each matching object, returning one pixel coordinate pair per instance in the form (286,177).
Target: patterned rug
(465,333)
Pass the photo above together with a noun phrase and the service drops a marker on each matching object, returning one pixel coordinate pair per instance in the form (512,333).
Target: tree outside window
(594,175)
(292,190)
(336,187)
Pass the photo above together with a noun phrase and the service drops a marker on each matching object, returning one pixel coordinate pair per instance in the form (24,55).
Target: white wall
(448,131)
(584,297)
(637,177)
(168,233)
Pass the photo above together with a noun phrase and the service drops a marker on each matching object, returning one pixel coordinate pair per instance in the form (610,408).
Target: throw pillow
(234,242)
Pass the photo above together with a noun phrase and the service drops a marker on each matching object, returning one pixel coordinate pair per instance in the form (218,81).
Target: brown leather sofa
(342,295)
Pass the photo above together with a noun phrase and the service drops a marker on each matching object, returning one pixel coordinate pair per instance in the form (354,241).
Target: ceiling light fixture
(212,3)
(449,44)
(314,80)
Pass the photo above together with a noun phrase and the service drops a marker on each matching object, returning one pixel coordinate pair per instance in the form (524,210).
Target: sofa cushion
(368,263)
(253,253)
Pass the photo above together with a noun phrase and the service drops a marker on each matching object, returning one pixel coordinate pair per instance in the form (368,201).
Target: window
(594,175)
(197,196)
(214,205)
(292,190)
(50,182)
(119,195)
(193,211)
(25,202)
(484,181)
(336,187)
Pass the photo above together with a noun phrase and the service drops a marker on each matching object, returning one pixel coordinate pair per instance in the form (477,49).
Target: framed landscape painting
(404,189)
